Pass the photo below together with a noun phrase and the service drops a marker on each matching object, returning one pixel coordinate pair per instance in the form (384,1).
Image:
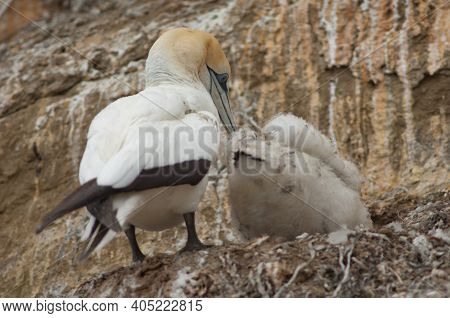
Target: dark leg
(193,243)
(137,254)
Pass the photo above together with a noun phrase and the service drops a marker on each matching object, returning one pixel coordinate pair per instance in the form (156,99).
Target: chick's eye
(222,79)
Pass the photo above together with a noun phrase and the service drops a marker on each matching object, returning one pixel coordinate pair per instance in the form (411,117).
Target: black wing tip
(46,221)
(83,257)
(41,227)
(82,196)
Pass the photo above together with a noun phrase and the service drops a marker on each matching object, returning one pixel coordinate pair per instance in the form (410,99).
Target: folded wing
(154,154)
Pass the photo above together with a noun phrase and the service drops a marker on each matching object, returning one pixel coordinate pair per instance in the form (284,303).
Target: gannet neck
(162,68)
(192,58)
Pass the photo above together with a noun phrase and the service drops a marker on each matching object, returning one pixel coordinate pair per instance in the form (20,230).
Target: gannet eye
(222,79)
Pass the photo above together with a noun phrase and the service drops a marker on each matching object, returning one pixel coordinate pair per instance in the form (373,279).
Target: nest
(406,255)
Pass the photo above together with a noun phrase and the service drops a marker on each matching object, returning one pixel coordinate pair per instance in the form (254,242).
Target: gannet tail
(99,236)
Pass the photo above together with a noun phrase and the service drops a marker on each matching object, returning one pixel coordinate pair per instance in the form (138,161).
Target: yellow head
(186,56)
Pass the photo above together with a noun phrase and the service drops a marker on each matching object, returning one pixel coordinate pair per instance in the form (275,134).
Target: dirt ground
(405,255)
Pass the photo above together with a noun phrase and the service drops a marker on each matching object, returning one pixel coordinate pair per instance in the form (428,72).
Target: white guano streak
(403,74)
(330,29)
(331,105)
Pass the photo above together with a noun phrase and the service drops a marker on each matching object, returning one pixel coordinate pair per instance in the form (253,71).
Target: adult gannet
(147,155)
(291,180)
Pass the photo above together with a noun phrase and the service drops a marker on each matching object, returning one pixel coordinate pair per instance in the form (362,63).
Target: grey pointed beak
(222,102)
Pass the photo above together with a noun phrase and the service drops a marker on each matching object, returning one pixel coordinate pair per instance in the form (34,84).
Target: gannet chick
(282,186)
(148,155)
(296,133)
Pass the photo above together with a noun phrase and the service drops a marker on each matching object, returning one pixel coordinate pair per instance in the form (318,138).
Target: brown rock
(373,75)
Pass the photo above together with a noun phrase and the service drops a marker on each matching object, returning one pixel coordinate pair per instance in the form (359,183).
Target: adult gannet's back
(147,155)
(292,181)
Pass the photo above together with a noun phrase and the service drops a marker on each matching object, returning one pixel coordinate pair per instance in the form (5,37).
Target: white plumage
(147,155)
(114,135)
(116,154)
(291,181)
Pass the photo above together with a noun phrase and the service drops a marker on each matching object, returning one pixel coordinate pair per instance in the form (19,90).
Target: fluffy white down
(272,193)
(295,132)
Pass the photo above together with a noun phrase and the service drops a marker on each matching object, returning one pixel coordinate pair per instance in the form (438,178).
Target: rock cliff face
(373,75)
